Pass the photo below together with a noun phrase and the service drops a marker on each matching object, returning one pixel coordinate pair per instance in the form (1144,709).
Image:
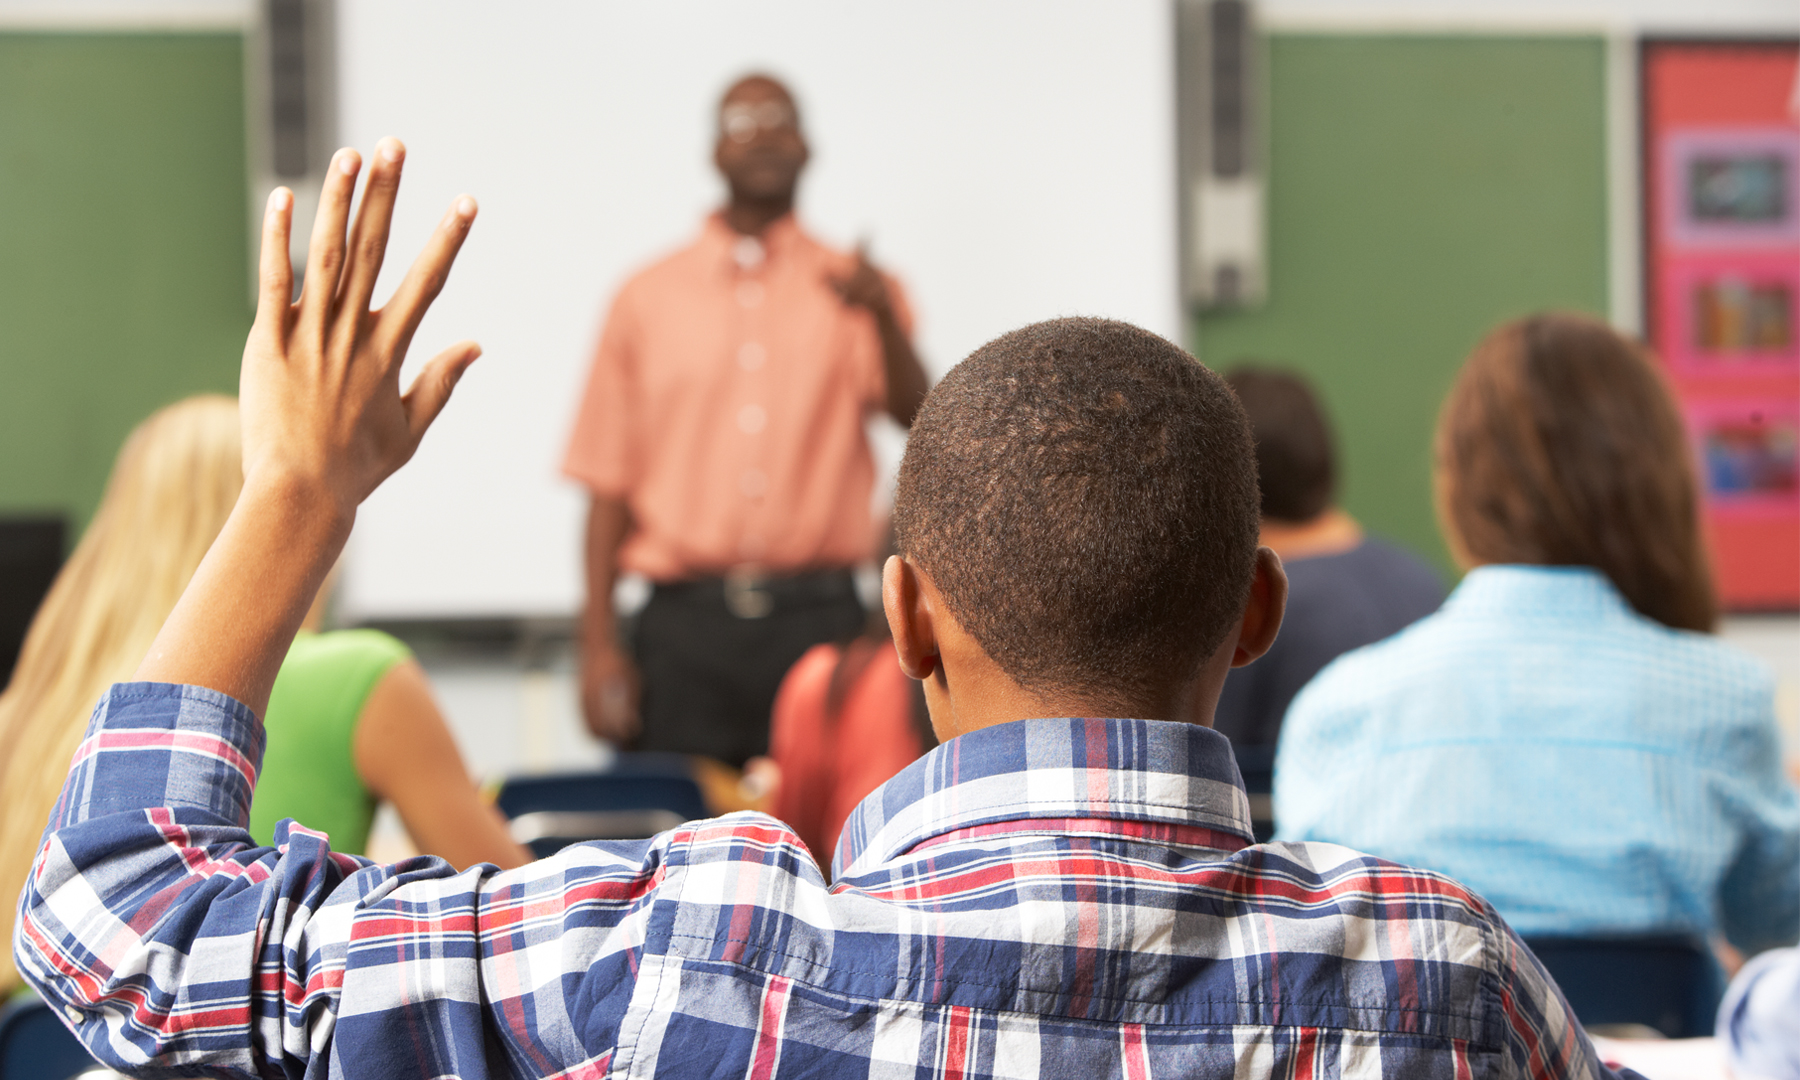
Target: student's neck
(751,217)
(1329,533)
(986,697)
(967,690)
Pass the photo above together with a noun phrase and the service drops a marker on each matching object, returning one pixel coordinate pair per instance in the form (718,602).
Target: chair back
(34,1045)
(640,796)
(1672,984)
(31,552)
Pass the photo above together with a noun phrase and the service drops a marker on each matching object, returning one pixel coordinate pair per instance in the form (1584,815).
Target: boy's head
(1081,496)
(1296,459)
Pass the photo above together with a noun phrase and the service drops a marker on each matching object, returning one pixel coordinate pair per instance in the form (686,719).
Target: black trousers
(713,652)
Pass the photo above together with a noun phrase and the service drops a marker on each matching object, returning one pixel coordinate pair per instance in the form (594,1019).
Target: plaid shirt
(1046,898)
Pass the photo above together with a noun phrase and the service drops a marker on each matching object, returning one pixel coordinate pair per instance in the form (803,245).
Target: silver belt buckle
(745,594)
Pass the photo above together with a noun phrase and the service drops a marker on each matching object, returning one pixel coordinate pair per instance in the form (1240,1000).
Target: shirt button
(73,1014)
(754,483)
(752,419)
(750,293)
(752,356)
(747,252)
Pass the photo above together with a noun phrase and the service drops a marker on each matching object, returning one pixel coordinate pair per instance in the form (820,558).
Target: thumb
(430,392)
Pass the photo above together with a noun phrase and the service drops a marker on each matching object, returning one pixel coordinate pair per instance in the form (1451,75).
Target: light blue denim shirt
(1587,770)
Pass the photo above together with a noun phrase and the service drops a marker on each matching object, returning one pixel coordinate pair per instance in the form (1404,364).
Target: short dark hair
(1296,455)
(1083,494)
(1560,445)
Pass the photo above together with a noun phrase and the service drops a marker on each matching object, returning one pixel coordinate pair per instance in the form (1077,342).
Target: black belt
(754,594)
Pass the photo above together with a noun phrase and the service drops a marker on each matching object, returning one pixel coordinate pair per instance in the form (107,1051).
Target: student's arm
(149,919)
(1541,1039)
(405,754)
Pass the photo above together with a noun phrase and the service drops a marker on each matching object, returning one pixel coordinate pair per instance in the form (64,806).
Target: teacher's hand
(864,287)
(610,690)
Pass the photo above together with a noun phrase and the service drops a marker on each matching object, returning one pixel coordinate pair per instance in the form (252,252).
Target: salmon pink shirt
(726,408)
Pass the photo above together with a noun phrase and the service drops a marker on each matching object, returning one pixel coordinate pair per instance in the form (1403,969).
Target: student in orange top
(846,719)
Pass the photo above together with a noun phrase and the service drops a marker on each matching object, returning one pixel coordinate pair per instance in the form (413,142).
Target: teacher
(721,439)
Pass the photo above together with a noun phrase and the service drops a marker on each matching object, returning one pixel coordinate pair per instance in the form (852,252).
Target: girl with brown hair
(1564,736)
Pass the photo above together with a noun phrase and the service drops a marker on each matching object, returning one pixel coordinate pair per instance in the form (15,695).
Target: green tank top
(309,769)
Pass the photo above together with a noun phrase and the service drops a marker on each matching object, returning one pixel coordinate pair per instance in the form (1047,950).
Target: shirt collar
(720,240)
(1559,591)
(1122,770)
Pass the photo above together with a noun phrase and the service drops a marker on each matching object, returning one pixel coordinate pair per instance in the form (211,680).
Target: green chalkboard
(1421,190)
(123,249)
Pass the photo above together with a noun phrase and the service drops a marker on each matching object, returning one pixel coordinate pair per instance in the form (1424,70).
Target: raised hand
(319,390)
(324,423)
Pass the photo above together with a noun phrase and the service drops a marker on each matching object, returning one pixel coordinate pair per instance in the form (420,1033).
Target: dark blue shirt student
(1336,602)
(1345,590)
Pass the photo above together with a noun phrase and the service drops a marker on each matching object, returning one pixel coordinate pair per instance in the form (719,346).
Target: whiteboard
(1008,160)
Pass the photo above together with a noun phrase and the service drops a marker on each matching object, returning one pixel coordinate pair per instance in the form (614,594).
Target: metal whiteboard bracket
(1220,115)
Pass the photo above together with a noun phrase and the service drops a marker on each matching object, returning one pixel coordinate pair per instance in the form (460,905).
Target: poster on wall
(1722,222)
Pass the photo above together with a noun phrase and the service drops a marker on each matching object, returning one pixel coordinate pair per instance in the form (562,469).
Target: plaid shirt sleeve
(1542,1036)
(161,932)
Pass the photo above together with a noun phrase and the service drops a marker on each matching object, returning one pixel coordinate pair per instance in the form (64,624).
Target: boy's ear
(1262,615)
(909,618)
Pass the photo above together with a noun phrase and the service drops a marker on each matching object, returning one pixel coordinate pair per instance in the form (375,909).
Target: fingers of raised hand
(275,273)
(425,279)
(369,236)
(325,254)
(430,392)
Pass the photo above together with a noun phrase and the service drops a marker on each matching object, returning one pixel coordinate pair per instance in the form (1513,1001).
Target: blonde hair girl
(172,487)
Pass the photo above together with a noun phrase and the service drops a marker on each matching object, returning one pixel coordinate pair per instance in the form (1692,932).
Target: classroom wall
(1421,189)
(1009,161)
(124,283)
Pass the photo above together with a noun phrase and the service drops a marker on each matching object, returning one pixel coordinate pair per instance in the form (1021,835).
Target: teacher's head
(760,150)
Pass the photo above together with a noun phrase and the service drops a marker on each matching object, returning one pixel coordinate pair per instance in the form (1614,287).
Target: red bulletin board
(1722,225)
